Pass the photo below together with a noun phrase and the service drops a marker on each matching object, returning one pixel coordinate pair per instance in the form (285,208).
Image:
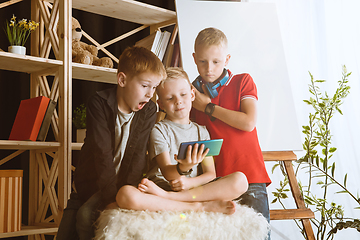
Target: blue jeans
(78,219)
(256,198)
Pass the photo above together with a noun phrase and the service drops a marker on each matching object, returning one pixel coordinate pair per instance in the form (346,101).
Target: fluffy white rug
(244,224)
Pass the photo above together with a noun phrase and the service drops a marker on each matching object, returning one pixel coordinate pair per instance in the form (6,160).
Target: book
(45,125)
(168,55)
(170,48)
(150,42)
(163,44)
(156,42)
(29,118)
(176,59)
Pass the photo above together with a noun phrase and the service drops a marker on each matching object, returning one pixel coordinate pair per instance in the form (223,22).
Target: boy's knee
(241,181)
(126,197)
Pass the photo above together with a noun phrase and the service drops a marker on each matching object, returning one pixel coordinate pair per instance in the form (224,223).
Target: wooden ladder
(301,212)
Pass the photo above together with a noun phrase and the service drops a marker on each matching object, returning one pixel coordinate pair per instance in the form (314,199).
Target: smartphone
(213,145)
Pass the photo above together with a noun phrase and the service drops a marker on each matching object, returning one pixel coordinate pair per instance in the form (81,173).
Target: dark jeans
(78,219)
(256,198)
(67,227)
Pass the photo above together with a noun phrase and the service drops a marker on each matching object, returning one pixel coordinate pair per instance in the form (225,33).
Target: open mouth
(141,105)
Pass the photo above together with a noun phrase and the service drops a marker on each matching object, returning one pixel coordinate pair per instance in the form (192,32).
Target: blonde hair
(136,60)
(211,36)
(173,73)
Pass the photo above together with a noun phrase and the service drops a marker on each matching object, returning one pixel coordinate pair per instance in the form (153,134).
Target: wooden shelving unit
(50,180)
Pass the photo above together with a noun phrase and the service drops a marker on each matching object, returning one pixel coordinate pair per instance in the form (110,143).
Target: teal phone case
(213,145)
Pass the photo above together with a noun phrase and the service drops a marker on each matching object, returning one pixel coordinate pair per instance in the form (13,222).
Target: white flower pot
(17,49)
(80,135)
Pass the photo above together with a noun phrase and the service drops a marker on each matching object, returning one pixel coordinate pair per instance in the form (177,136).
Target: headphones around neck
(211,86)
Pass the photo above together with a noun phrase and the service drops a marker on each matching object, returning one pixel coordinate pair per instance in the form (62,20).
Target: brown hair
(136,60)
(211,36)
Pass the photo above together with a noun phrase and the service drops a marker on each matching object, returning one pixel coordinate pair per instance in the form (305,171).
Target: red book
(29,118)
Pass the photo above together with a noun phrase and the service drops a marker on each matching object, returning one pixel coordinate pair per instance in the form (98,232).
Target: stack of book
(33,119)
(157,42)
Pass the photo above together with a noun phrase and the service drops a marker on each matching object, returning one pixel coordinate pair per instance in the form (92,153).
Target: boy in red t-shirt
(226,104)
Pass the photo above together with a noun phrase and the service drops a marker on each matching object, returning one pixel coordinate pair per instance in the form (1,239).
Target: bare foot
(148,186)
(226,207)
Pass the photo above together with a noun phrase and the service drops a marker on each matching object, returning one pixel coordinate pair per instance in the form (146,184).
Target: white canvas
(256,48)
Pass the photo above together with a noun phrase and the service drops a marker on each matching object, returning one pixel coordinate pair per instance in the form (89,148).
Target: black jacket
(95,170)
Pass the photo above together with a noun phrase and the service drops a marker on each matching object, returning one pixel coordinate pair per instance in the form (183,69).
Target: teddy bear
(83,52)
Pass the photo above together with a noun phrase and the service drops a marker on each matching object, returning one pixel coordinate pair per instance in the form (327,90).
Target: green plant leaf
(306,127)
(283,195)
(317,160)
(328,184)
(345,179)
(274,167)
(308,202)
(342,191)
(332,149)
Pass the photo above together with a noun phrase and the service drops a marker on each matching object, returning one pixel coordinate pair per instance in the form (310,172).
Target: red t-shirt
(240,150)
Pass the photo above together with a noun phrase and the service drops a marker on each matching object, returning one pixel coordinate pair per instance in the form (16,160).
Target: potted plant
(18,33)
(79,121)
(319,166)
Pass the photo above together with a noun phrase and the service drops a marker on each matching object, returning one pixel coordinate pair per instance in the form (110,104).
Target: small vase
(80,135)
(17,49)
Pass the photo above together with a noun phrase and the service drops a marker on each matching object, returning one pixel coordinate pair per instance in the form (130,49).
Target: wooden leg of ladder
(298,198)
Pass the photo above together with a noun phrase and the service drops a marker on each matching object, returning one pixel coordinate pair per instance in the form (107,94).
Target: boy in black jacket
(119,121)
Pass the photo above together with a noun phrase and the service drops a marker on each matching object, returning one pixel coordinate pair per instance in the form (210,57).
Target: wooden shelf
(76,146)
(30,230)
(127,10)
(30,145)
(26,63)
(26,145)
(94,73)
(30,64)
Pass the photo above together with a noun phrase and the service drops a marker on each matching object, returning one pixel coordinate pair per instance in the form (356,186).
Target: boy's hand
(194,156)
(201,100)
(182,183)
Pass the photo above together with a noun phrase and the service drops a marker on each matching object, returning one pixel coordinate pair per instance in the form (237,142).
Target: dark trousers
(67,227)
(78,219)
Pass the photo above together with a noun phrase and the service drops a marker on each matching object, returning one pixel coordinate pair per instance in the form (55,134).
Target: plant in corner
(79,118)
(319,167)
(18,32)
(79,121)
